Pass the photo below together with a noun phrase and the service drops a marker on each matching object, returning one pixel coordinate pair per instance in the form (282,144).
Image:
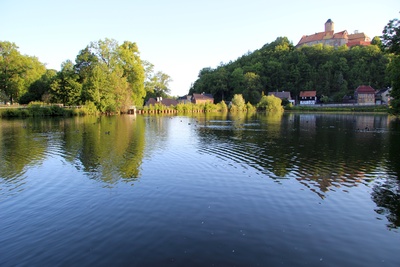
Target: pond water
(206,190)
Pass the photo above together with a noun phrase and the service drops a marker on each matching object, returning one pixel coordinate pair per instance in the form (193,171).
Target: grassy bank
(39,110)
(372,109)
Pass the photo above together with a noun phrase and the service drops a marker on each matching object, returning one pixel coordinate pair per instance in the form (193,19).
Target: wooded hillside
(279,66)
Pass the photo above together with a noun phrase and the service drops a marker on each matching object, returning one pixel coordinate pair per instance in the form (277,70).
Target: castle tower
(329,25)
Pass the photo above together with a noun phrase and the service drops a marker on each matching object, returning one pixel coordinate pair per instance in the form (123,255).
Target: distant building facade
(308,97)
(329,37)
(365,95)
(202,98)
(382,97)
(185,99)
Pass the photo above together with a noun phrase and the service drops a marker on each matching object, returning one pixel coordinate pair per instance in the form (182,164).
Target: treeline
(279,66)
(110,76)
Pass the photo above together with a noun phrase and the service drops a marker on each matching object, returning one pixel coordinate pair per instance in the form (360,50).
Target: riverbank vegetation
(112,78)
(351,109)
(333,72)
(279,66)
(40,109)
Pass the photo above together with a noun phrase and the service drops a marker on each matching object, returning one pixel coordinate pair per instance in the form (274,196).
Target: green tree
(237,81)
(65,87)
(394,76)
(40,89)
(133,71)
(11,69)
(391,43)
(377,41)
(17,72)
(253,87)
(270,103)
(158,85)
(238,103)
(112,75)
(391,36)
(279,66)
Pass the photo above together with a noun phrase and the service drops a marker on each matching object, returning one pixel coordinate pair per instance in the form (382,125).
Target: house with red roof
(308,97)
(365,95)
(329,37)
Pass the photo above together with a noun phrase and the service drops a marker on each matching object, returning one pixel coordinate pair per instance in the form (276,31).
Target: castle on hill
(329,37)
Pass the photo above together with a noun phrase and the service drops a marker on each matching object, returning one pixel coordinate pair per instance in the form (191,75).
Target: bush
(222,107)
(209,107)
(88,109)
(238,102)
(250,107)
(57,111)
(270,103)
(10,113)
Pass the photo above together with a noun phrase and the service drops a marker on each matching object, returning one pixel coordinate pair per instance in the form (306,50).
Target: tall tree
(112,75)
(17,72)
(391,36)
(391,42)
(40,89)
(65,87)
(331,72)
(129,59)
(11,69)
(253,88)
(158,85)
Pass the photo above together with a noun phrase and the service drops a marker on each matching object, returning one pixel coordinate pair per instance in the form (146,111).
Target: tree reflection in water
(386,191)
(323,152)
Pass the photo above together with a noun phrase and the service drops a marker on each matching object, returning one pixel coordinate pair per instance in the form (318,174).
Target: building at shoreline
(336,39)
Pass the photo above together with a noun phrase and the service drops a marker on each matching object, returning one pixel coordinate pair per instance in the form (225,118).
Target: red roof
(308,93)
(365,89)
(319,36)
(315,37)
(340,35)
(344,37)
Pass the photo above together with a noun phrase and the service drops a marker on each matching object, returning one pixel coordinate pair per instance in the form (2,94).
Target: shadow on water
(386,191)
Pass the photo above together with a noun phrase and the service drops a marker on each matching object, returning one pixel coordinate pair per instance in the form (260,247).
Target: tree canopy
(108,75)
(391,43)
(17,72)
(279,66)
(391,36)
(111,75)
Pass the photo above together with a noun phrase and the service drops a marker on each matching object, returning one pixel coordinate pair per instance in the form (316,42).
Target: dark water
(220,190)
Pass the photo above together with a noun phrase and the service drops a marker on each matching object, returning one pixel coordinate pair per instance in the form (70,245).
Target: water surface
(208,190)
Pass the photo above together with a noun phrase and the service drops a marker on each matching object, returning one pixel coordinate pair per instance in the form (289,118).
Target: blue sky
(179,37)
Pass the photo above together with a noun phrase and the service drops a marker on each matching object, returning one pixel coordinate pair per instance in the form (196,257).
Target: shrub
(270,103)
(10,113)
(88,109)
(209,107)
(238,102)
(250,107)
(57,111)
(221,106)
